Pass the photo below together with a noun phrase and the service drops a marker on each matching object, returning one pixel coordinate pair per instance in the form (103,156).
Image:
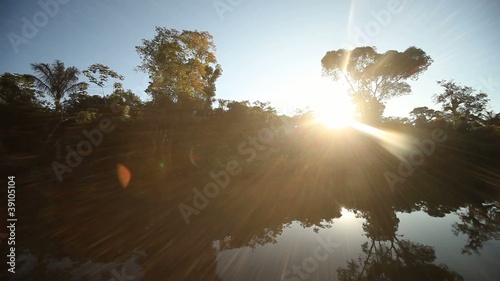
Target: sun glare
(335,116)
(334,109)
(328,99)
(347,214)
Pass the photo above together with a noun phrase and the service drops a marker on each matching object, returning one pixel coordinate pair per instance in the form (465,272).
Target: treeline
(184,128)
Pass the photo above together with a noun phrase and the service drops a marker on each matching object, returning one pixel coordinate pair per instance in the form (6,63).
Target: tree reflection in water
(387,257)
(92,218)
(398,259)
(481,223)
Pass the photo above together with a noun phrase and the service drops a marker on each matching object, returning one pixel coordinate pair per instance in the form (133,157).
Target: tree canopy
(373,77)
(104,73)
(182,67)
(57,81)
(465,105)
(19,89)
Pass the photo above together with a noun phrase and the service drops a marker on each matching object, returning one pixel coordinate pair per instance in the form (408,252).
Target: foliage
(182,67)
(465,106)
(423,115)
(57,81)
(480,224)
(19,90)
(129,102)
(373,77)
(104,73)
(397,260)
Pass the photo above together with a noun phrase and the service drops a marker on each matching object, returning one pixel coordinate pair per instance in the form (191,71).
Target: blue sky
(269,50)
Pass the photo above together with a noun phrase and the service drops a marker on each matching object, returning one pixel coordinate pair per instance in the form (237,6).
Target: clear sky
(269,50)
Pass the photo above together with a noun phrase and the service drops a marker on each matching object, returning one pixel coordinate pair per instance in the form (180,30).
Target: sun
(328,99)
(333,107)
(334,115)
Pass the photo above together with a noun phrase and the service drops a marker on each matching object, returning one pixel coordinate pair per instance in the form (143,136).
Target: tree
(479,222)
(19,90)
(57,81)
(373,77)
(396,121)
(104,73)
(84,107)
(386,257)
(492,118)
(465,106)
(183,68)
(397,260)
(129,102)
(303,117)
(23,115)
(423,115)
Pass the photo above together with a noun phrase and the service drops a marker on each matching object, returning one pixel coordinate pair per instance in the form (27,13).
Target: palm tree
(57,81)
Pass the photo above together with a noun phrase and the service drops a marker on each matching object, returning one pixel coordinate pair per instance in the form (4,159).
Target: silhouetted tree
(423,115)
(373,77)
(57,81)
(465,106)
(84,107)
(104,74)
(19,90)
(130,105)
(492,118)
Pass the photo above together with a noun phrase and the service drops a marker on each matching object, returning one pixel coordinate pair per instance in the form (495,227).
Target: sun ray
(396,143)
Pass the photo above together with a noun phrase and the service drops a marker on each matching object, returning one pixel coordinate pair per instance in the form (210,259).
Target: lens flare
(124,175)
